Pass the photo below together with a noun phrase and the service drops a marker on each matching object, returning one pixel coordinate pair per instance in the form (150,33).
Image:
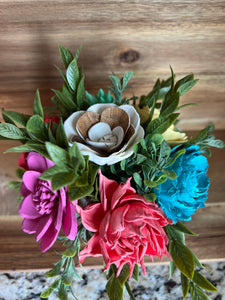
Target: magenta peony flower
(45,211)
(126,227)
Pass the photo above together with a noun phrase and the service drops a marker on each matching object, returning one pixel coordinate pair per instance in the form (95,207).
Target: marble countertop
(156,285)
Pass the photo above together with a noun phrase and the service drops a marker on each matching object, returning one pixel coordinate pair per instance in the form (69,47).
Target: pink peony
(126,227)
(45,211)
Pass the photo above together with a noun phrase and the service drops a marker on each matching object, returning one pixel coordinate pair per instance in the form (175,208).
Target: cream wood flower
(106,132)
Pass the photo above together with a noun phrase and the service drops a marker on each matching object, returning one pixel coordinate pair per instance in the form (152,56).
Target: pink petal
(122,191)
(70,221)
(92,249)
(117,219)
(91,216)
(27,208)
(24,191)
(30,179)
(29,226)
(43,225)
(106,189)
(36,162)
(60,209)
(49,238)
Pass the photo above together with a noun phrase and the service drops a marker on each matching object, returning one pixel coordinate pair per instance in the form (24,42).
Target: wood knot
(129,56)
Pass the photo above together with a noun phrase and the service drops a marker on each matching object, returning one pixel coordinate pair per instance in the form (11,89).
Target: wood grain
(144,36)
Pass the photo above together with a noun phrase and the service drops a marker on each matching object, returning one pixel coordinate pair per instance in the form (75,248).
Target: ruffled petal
(36,162)
(30,226)
(49,238)
(30,179)
(70,220)
(27,209)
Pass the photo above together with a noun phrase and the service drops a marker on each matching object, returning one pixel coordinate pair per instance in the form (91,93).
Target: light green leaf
(62,293)
(197,293)
(11,131)
(184,88)
(72,74)
(58,155)
(37,128)
(47,293)
(126,78)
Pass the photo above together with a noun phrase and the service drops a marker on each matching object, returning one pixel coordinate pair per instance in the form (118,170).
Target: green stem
(129,290)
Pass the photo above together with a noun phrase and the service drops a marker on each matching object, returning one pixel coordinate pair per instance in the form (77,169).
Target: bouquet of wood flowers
(112,177)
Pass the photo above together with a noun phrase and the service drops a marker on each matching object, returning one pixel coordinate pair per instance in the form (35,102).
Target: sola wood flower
(45,211)
(126,227)
(105,132)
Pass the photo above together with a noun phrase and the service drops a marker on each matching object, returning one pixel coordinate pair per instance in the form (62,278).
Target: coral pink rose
(45,211)
(126,227)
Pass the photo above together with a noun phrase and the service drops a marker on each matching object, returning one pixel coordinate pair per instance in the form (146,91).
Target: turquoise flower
(180,198)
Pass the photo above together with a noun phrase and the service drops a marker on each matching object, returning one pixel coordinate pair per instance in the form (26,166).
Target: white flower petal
(70,124)
(99,130)
(99,107)
(132,113)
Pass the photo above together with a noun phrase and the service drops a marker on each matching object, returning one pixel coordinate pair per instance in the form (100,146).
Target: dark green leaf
(11,131)
(124,274)
(185,285)
(78,193)
(172,268)
(203,282)
(57,269)
(72,74)
(49,173)
(151,197)
(170,174)
(29,147)
(15,117)
(114,289)
(37,107)
(58,155)
(170,105)
(20,172)
(137,179)
(65,101)
(77,160)
(182,258)
(62,179)
(62,293)
(61,137)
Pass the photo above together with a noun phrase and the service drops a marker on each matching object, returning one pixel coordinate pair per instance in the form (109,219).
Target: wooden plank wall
(146,36)
(140,35)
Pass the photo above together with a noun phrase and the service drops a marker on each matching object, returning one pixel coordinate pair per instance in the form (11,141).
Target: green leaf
(47,293)
(185,285)
(20,172)
(37,107)
(172,268)
(161,124)
(151,197)
(179,226)
(61,138)
(216,143)
(203,282)
(58,155)
(126,78)
(18,118)
(79,192)
(135,274)
(71,251)
(29,147)
(16,185)
(182,258)
(80,93)
(72,74)
(65,101)
(77,159)
(114,289)
(170,174)
(184,88)
(11,131)
(66,55)
(37,128)
(137,179)
(50,172)
(124,274)
(197,293)
(57,269)
(62,179)
(170,105)
(62,293)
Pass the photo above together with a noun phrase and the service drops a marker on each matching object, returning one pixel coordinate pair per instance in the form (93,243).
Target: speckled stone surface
(156,285)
